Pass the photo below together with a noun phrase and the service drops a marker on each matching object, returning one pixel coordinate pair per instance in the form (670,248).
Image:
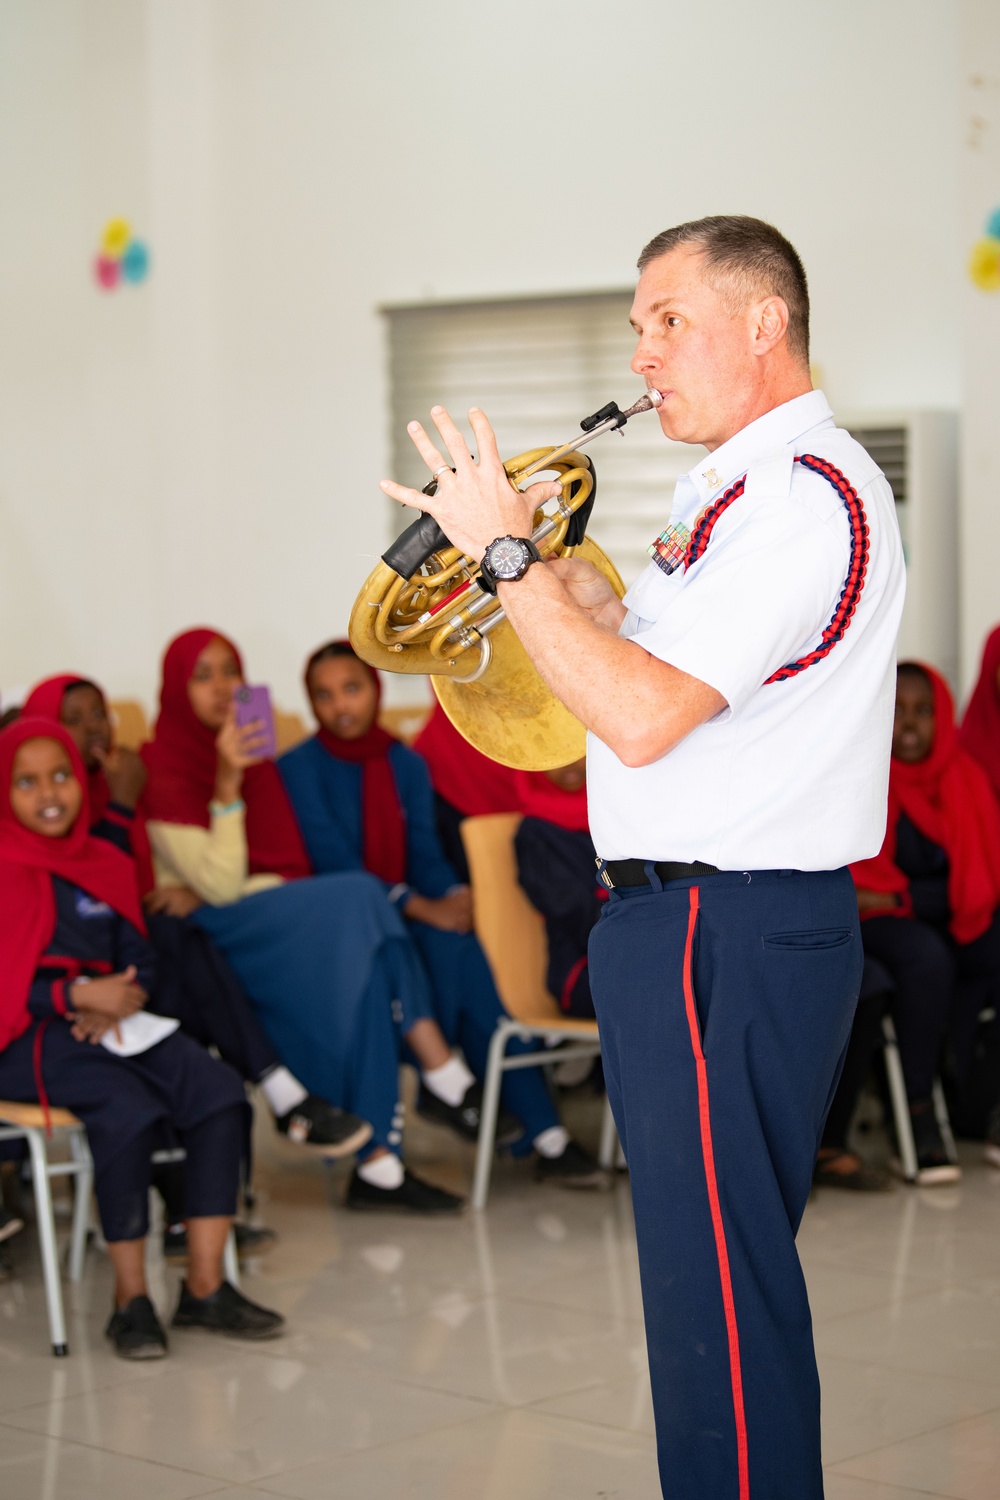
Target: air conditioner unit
(917,452)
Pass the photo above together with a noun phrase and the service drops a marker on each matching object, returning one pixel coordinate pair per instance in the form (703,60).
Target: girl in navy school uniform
(364,802)
(75,967)
(196,984)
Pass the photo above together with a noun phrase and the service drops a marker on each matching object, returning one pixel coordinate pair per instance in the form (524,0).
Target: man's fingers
(430,455)
(405,496)
(457,447)
(485,436)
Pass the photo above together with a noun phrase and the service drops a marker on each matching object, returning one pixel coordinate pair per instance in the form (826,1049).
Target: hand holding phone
(253,707)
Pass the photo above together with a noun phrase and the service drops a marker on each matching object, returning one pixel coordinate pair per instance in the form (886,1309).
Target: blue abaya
(326,795)
(335,983)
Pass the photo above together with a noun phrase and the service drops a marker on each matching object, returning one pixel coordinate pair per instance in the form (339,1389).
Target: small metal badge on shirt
(668,550)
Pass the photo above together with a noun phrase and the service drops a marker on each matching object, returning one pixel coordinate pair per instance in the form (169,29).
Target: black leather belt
(633,871)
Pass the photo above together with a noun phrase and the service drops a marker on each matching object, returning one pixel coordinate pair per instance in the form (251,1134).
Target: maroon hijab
(462,775)
(383,825)
(181,761)
(28,860)
(45,701)
(949,798)
(980,731)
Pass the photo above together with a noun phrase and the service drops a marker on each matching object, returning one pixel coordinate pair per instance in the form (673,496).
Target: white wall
(980,470)
(208,447)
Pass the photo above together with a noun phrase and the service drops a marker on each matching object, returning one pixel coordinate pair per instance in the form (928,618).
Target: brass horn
(422,611)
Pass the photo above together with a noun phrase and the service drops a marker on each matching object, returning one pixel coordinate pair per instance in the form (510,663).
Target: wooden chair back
(404,723)
(130,723)
(510,929)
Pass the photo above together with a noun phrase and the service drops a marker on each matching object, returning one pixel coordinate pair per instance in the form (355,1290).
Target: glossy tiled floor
(501,1356)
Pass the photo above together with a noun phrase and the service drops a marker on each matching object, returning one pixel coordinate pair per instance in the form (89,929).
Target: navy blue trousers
(467,1007)
(725,1009)
(125,1104)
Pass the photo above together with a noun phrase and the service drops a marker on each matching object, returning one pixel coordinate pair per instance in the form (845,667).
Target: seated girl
(557,867)
(467,784)
(325,960)
(929,903)
(75,972)
(196,985)
(364,802)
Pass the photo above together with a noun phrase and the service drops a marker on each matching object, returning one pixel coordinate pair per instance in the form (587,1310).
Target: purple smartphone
(253,703)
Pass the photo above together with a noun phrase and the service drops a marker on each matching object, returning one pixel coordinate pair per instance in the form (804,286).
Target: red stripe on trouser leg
(718,1228)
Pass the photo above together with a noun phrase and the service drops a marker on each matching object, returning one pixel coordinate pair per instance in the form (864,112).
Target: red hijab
(980,731)
(948,797)
(541,798)
(181,762)
(461,774)
(45,702)
(28,860)
(383,823)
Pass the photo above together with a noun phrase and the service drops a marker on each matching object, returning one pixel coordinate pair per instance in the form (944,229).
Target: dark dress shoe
(227,1311)
(464,1119)
(411,1197)
(136,1332)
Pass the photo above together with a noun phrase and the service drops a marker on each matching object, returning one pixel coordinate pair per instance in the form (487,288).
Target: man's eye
(673,322)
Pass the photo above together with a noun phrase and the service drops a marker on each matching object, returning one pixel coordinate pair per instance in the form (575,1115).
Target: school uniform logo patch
(87,907)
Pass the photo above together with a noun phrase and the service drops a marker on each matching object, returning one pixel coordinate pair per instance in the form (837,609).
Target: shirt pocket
(811,940)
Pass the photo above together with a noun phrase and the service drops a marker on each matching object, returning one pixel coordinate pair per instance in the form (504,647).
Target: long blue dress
(326,795)
(335,982)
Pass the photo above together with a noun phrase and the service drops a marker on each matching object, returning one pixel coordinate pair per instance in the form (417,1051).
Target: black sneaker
(412,1197)
(9,1224)
(573,1169)
(464,1118)
(227,1311)
(251,1239)
(136,1331)
(934,1166)
(333,1130)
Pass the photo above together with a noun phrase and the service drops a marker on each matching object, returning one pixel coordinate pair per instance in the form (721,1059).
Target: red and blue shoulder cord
(857,568)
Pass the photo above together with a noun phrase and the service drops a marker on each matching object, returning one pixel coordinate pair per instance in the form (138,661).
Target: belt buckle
(602,874)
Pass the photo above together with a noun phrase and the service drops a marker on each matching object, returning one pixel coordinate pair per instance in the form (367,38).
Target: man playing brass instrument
(739,706)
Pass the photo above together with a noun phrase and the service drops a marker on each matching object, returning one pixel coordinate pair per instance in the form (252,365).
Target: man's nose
(644,359)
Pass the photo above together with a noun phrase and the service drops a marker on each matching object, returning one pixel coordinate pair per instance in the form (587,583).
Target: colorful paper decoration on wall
(121,257)
(984,262)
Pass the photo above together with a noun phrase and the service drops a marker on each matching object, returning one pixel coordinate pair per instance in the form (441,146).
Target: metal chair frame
(26,1122)
(901,1106)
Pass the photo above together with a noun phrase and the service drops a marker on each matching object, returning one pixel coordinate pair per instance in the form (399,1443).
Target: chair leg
(606,1152)
(944,1124)
(84,1191)
(47,1240)
(230,1260)
(488,1114)
(900,1103)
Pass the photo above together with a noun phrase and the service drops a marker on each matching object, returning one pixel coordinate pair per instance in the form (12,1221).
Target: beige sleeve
(211,861)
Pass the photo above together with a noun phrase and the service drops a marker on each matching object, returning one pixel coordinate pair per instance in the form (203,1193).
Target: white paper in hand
(139,1032)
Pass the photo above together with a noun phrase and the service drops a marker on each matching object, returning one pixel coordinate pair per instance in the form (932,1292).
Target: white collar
(777,429)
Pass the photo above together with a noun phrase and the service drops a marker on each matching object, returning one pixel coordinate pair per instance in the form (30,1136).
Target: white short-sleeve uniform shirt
(792,774)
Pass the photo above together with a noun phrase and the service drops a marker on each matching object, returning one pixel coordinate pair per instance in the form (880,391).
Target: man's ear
(769,324)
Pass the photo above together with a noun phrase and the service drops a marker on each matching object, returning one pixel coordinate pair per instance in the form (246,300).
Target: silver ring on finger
(444,469)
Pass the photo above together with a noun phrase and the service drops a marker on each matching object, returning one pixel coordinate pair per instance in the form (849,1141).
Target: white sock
(450,1081)
(382,1171)
(282,1090)
(551,1142)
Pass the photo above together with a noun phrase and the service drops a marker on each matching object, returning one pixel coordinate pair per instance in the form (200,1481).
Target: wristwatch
(506,560)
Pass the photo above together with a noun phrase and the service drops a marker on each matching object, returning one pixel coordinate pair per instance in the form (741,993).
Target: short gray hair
(755,261)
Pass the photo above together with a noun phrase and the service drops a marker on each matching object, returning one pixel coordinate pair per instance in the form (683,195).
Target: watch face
(506,557)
